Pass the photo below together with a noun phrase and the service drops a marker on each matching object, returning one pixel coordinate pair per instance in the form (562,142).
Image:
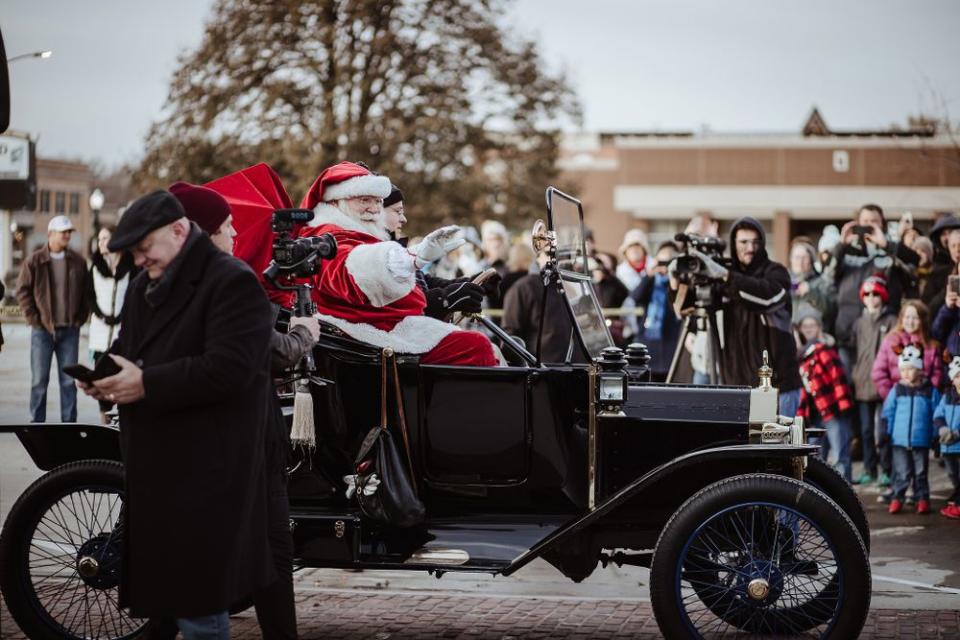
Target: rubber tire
(827,479)
(20,523)
(850,552)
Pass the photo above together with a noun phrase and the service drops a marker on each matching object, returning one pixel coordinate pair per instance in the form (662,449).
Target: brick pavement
(390,616)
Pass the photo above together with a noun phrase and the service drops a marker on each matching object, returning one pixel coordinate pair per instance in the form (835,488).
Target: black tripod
(703,318)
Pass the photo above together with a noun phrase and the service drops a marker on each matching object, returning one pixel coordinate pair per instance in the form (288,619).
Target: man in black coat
(193,395)
(756,314)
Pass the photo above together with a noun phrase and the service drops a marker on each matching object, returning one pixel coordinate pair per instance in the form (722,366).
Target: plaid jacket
(825,388)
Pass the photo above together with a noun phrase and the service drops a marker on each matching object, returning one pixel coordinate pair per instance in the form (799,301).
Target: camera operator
(756,313)
(274,604)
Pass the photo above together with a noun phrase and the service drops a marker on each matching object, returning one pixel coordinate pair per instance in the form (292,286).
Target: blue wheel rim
(783,552)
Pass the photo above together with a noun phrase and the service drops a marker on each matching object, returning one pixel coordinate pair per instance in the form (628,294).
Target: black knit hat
(395,196)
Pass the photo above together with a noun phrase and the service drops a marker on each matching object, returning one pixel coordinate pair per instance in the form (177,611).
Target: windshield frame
(581,280)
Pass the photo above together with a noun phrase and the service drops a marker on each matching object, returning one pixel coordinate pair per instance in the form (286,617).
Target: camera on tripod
(297,257)
(690,268)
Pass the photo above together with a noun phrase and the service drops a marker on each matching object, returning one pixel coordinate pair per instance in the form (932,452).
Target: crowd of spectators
(860,297)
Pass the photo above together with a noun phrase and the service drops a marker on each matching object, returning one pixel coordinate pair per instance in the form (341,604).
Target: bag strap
(403,421)
(383,388)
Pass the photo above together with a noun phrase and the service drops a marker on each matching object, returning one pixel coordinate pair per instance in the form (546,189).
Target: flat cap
(147,213)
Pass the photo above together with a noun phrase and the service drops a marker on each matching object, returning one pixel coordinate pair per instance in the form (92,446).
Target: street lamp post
(96,204)
(34,54)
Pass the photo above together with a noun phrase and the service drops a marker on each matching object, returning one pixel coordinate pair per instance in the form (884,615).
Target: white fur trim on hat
(413,334)
(384,271)
(369,185)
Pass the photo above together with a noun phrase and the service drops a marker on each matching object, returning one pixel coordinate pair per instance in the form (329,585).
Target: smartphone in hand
(104,368)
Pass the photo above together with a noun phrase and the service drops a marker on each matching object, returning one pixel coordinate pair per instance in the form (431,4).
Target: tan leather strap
(403,423)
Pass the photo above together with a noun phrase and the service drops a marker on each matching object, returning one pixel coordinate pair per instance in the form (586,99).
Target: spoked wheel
(760,554)
(61,555)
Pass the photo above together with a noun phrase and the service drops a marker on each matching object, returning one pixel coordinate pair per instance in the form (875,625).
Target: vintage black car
(743,529)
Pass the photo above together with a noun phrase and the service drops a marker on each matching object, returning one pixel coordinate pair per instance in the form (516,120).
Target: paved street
(916,589)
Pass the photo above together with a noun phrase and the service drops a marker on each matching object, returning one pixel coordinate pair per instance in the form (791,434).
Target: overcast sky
(732,66)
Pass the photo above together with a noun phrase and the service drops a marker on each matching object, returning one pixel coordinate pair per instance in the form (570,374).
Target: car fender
(51,444)
(682,464)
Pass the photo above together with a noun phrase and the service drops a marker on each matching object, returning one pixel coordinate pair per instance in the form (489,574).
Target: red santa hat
(345,180)
(875,284)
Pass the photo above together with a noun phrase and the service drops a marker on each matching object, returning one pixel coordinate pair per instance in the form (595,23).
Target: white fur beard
(373,225)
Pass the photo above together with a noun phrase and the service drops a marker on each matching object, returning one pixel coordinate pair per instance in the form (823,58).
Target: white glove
(714,269)
(947,436)
(438,244)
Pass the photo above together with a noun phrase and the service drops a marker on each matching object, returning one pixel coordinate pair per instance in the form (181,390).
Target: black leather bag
(394,501)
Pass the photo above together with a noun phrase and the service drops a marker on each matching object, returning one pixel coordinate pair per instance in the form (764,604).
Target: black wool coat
(195,516)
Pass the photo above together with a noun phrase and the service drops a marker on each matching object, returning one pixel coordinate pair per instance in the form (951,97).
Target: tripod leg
(680,349)
(714,339)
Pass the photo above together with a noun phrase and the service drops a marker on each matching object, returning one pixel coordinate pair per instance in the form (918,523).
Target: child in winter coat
(874,323)
(908,416)
(825,399)
(912,324)
(946,422)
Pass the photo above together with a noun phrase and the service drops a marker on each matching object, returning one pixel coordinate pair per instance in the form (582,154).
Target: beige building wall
(793,184)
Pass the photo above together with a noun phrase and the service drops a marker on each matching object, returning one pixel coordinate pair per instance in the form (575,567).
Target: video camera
(292,256)
(690,268)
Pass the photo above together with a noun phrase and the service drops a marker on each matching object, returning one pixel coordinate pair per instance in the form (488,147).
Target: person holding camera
(274,604)
(756,312)
(864,251)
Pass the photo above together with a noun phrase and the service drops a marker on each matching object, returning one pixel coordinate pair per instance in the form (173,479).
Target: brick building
(63,187)
(793,183)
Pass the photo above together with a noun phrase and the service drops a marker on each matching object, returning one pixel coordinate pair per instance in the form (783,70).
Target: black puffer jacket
(943,265)
(896,263)
(756,317)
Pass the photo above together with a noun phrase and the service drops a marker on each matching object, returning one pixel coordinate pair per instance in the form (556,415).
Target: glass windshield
(566,221)
(589,318)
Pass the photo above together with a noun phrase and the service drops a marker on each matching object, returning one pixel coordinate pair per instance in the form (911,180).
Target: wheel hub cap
(98,561)
(758,589)
(88,567)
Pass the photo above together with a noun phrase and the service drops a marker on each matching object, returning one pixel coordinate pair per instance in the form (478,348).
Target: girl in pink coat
(912,328)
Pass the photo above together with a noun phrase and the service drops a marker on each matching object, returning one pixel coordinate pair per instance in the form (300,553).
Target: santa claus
(369,289)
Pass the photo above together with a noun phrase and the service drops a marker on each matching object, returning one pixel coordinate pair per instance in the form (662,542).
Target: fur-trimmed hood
(325,213)
(124,266)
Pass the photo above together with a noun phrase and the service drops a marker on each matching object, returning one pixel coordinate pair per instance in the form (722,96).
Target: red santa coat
(369,291)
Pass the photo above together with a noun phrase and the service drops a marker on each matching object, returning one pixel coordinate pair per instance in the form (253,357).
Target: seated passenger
(444,297)
(369,289)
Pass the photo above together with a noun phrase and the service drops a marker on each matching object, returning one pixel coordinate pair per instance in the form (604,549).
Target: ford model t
(582,465)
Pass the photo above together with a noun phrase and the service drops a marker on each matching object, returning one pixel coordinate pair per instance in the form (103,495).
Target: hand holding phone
(104,368)
(953,284)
